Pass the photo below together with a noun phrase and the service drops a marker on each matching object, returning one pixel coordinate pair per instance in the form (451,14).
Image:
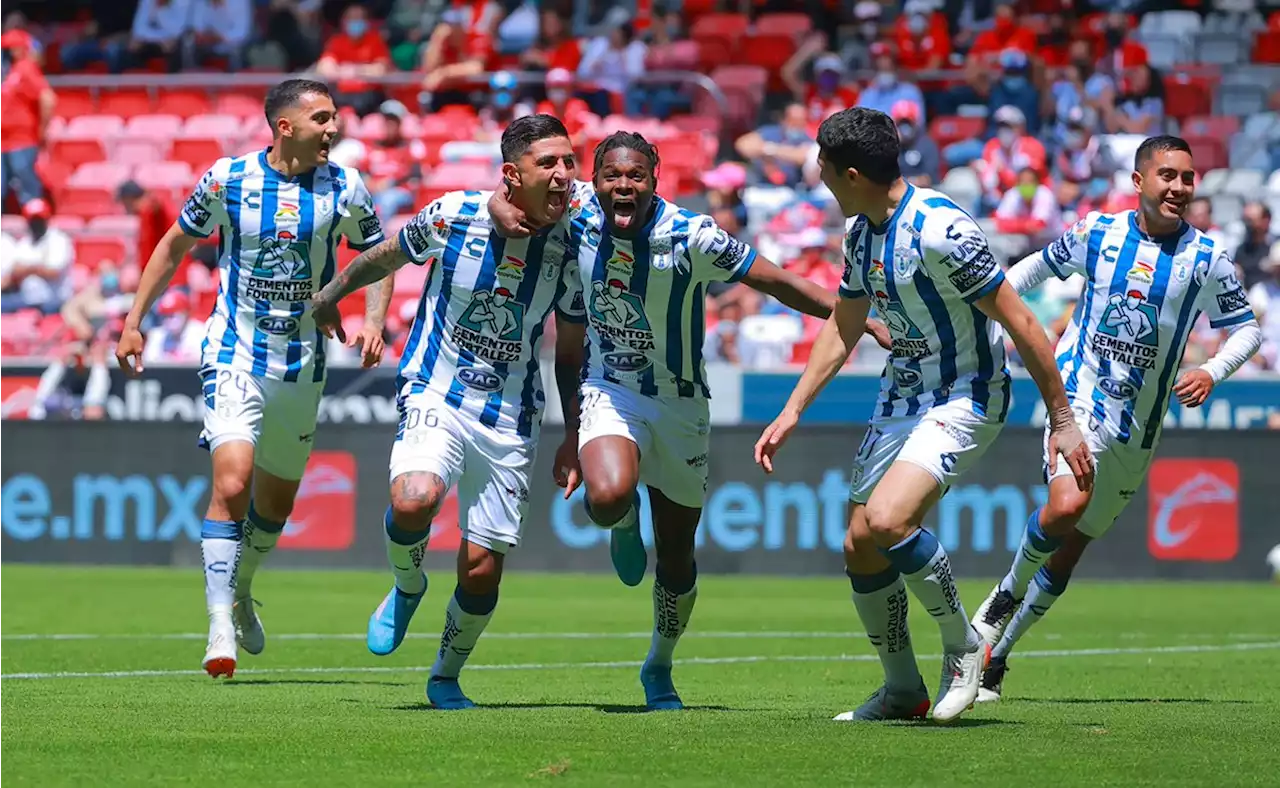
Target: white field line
(1087,652)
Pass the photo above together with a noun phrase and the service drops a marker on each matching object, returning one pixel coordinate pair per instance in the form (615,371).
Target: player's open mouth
(556,200)
(624,211)
(1177,206)
(324,149)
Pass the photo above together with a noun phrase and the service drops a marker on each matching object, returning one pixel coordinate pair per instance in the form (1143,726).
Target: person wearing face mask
(36,264)
(826,93)
(351,57)
(1005,33)
(175,337)
(918,156)
(1015,89)
(1029,209)
(1083,167)
(561,103)
(922,38)
(886,87)
(1010,150)
(1120,52)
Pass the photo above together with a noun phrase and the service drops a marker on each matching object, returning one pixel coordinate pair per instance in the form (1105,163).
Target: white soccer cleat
(994,614)
(220,654)
(249,632)
(961,679)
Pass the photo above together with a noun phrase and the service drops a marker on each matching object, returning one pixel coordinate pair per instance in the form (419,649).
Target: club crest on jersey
(619,315)
(492,326)
(512,267)
(1182,272)
(1128,332)
(1141,272)
(903,266)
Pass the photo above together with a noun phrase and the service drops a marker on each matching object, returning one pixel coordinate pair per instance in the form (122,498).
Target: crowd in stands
(1027,113)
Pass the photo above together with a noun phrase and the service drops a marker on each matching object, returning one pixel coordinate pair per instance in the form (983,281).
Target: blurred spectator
(458,50)
(294,25)
(1140,107)
(668,50)
(352,56)
(778,150)
(219,28)
(721,342)
(611,63)
(1258,239)
(1005,33)
(103,302)
(888,88)
(826,94)
(176,338)
(556,47)
(28,105)
(921,35)
(855,50)
(105,37)
(1014,89)
(561,102)
(1083,166)
(36,266)
(1010,151)
(501,109)
(1121,52)
(1029,209)
(1200,216)
(724,192)
(75,385)
(158,29)
(1054,47)
(393,164)
(1264,297)
(918,156)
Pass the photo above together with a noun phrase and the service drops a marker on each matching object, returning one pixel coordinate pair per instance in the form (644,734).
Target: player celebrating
(470,390)
(645,264)
(1148,276)
(944,398)
(280,212)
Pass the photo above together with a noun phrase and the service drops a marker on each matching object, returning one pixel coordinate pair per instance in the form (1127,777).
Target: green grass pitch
(1154,684)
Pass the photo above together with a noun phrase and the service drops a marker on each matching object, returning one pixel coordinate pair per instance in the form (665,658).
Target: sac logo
(479,379)
(626,362)
(279,326)
(907,378)
(1120,389)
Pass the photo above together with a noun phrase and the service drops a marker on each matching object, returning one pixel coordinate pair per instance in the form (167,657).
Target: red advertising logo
(324,515)
(1193,512)
(17,395)
(446,531)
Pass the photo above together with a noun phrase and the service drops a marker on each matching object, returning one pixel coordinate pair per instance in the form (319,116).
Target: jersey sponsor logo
(1120,389)
(415,238)
(627,362)
(908,340)
(479,379)
(1232,301)
(282,271)
(1061,250)
(512,267)
(492,326)
(1194,510)
(963,439)
(875,271)
(734,253)
(906,378)
(1128,331)
(619,315)
(621,263)
(280,326)
(1140,272)
(370,228)
(974,272)
(287,213)
(966,251)
(196,214)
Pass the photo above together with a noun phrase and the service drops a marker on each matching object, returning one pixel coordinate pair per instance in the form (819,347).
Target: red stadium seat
(71,225)
(185,102)
(87,201)
(122,225)
(785,24)
(197,152)
(718,37)
(213,125)
(1211,151)
(126,102)
(107,174)
(136,152)
(91,251)
(947,129)
(1266,45)
(73,102)
(74,152)
(1185,96)
(1220,126)
(770,51)
(154,127)
(242,105)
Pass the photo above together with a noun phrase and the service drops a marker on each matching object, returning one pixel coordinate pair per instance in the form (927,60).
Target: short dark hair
(862,139)
(631,141)
(1153,145)
(288,94)
(523,132)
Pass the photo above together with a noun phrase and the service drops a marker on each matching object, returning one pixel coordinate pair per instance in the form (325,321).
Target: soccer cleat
(391,620)
(961,677)
(445,694)
(659,691)
(627,551)
(885,705)
(994,614)
(993,680)
(249,632)
(220,653)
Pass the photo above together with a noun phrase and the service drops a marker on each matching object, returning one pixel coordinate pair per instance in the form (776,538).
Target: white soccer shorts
(491,467)
(277,417)
(1119,470)
(946,440)
(673,435)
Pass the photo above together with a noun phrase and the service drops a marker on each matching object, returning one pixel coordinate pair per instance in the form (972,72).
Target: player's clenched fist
(129,350)
(773,437)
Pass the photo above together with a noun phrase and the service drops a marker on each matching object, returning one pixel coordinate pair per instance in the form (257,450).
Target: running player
(925,265)
(280,213)
(470,390)
(1148,276)
(645,264)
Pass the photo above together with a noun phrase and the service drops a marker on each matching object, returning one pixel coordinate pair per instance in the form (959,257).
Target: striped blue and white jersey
(1120,355)
(646,313)
(479,326)
(923,269)
(278,245)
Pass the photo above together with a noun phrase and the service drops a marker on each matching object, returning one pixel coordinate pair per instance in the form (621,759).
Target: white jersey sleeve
(954,249)
(358,220)
(716,256)
(1069,254)
(1223,297)
(426,235)
(850,283)
(206,206)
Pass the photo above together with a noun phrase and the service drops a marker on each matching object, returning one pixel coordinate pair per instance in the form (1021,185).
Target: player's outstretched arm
(794,291)
(831,349)
(1029,273)
(1005,306)
(168,254)
(369,267)
(571,336)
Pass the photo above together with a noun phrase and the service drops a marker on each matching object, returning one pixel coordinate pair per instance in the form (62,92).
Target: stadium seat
(1248,184)
(122,225)
(947,129)
(153,127)
(1213,179)
(184,102)
(92,250)
(718,36)
(1266,46)
(1185,97)
(126,102)
(87,200)
(107,174)
(213,125)
(770,51)
(135,152)
(73,102)
(1218,126)
(241,105)
(783,23)
(1221,48)
(101,127)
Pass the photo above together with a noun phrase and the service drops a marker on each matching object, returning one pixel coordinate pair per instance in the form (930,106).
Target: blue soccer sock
(1040,597)
(927,570)
(672,608)
(1035,549)
(881,600)
(220,547)
(404,553)
(464,621)
(259,538)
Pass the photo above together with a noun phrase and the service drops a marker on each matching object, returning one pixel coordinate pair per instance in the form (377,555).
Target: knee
(415,499)
(886,525)
(231,482)
(610,495)
(1066,507)
(861,556)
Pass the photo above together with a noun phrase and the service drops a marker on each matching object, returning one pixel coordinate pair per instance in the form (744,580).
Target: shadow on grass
(303,681)
(1135,701)
(607,708)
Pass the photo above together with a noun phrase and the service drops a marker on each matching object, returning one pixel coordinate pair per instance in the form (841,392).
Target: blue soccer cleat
(391,620)
(627,551)
(659,692)
(445,694)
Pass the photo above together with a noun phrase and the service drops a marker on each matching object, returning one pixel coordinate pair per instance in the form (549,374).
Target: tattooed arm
(370,267)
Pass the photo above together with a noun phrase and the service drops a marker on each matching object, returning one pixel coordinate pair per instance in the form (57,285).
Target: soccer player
(645,264)
(470,391)
(1148,277)
(925,265)
(280,213)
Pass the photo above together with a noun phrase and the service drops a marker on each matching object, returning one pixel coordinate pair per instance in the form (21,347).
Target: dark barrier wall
(135,493)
